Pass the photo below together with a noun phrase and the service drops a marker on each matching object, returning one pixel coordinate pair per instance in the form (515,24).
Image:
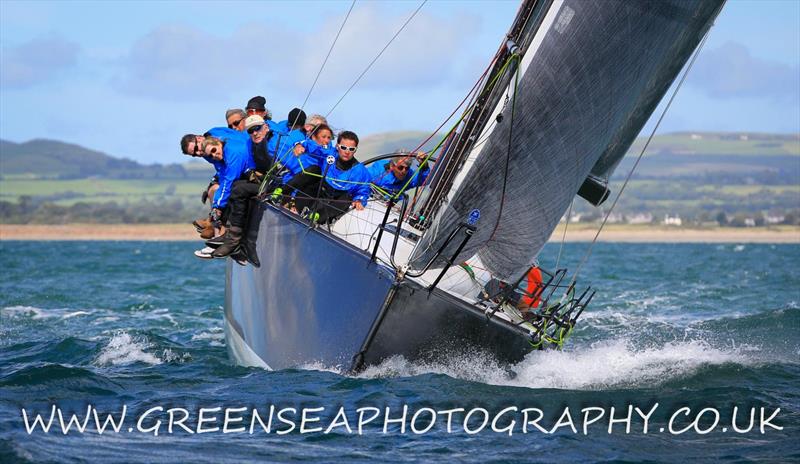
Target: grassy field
(68,192)
(721,144)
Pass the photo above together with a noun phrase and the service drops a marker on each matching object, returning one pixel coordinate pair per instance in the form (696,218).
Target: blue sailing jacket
(386,180)
(314,155)
(224,134)
(281,144)
(355,180)
(238,160)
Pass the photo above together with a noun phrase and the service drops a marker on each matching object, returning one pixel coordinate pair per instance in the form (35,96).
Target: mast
(453,159)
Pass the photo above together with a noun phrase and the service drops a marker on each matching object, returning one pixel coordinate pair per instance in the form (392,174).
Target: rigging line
(639,158)
(576,187)
(473,92)
(319,73)
(376,57)
(450,135)
(325,61)
(465,113)
(564,236)
(508,154)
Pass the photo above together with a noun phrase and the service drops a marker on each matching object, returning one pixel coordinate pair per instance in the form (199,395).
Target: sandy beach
(575,233)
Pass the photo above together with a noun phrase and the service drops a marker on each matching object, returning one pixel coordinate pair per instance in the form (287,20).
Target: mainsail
(583,88)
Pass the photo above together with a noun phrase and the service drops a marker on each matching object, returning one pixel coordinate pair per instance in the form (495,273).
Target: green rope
(486,89)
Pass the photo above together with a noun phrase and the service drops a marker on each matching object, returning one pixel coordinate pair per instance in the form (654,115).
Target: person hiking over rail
(233,158)
(247,187)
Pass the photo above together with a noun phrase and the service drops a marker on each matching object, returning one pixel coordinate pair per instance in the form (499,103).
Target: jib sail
(583,88)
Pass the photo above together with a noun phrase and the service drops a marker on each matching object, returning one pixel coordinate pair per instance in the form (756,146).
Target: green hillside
(720,143)
(390,142)
(51,159)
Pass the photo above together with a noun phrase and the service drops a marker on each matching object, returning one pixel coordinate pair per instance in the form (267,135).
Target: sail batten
(592,75)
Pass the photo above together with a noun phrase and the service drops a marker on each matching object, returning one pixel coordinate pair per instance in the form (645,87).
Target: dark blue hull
(317,300)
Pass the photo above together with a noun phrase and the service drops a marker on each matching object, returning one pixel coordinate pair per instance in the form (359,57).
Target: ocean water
(134,325)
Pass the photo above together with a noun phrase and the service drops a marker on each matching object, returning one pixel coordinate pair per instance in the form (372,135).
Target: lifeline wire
(639,158)
(378,56)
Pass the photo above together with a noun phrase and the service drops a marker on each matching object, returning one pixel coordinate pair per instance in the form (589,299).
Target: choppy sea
(102,326)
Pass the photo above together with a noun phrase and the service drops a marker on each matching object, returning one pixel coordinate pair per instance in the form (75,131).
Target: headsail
(585,86)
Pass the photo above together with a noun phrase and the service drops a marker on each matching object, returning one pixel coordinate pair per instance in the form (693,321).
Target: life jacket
(533,284)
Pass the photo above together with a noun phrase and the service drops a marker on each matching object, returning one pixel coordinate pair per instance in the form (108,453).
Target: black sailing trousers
(238,202)
(331,203)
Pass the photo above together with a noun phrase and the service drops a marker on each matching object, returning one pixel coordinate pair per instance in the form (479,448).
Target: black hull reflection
(315,300)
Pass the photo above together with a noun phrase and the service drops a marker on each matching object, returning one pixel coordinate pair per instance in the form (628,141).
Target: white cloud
(730,71)
(36,61)
(180,63)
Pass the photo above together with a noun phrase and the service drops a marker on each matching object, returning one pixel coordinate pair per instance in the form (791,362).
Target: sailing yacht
(570,87)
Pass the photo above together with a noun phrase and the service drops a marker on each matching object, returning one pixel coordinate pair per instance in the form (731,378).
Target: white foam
(215,336)
(617,365)
(124,349)
(26,311)
(162,313)
(610,365)
(319,366)
(74,314)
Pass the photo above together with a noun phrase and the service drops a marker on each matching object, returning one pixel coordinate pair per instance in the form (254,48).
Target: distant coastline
(575,233)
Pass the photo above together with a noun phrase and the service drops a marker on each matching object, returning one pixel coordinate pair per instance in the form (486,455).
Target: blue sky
(129,78)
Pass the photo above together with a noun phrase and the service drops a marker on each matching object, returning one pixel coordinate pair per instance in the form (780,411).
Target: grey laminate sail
(587,84)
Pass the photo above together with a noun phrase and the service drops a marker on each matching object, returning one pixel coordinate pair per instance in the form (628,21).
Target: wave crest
(123,349)
(612,365)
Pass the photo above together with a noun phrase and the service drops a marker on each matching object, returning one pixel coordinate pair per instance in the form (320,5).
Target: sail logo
(564,19)
(474,215)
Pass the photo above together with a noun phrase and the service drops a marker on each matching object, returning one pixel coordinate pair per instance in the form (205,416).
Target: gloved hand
(204,196)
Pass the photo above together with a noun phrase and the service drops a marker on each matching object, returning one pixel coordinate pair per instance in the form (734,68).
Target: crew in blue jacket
(192,145)
(315,150)
(392,176)
(285,135)
(238,162)
(224,134)
(342,184)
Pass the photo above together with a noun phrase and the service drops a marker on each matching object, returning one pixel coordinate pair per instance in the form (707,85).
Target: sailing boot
(207,232)
(201,224)
(232,239)
(276,195)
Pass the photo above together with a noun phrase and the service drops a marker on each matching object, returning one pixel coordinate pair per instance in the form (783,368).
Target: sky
(129,78)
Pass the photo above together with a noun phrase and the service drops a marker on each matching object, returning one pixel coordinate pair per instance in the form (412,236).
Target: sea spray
(124,349)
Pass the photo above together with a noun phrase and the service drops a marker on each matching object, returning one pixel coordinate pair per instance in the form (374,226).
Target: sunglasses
(254,129)
(198,151)
(235,123)
(346,148)
(402,167)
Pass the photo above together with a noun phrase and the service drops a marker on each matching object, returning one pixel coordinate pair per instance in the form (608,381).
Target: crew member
(233,158)
(245,188)
(235,118)
(191,145)
(286,134)
(392,176)
(341,184)
(258,106)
